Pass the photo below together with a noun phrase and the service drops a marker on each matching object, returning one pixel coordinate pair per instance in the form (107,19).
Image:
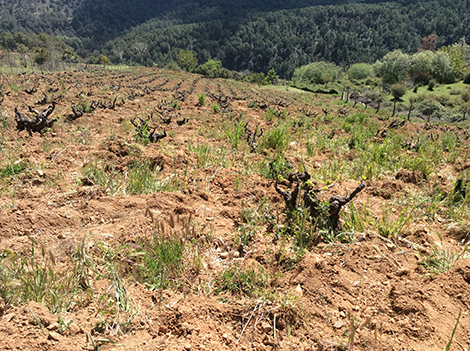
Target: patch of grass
(440,259)
(215,108)
(206,156)
(245,281)
(13,169)
(161,261)
(35,277)
(357,219)
(277,139)
(389,227)
(235,133)
(140,178)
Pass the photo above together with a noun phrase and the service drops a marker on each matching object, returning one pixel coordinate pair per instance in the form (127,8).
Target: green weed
(235,133)
(277,139)
(13,169)
(248,282)
(161,262)
(440,259)
(215,108)
(142,177)
(36,277)
(201,98)
(453,331)
(390,227)
(279,166)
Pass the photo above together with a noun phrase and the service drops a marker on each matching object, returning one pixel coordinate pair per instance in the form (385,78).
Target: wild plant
(235,133)
(215,108)
(391,227)
(201,98)
(440,259)
(245,281)
(277,139)
(36,277)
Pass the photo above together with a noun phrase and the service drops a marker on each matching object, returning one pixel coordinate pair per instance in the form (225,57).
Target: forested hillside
(254,35)
(102,19)
(290,38)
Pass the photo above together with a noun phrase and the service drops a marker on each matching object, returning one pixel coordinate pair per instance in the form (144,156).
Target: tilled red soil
(371,294)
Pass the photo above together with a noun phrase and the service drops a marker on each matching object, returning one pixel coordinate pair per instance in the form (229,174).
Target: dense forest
(253,36)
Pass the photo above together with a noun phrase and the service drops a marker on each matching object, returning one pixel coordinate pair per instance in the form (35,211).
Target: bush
(431,85)
(431,108)
(211,68)
(465,95)
(360,71)
(187,60)
(466,79)
(398,90)
(317,73)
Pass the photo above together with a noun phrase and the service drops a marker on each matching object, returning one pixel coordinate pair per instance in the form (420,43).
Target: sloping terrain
(109,241)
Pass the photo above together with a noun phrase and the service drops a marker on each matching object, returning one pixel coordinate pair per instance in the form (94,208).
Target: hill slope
(287,39)
(185,243)
(254,35)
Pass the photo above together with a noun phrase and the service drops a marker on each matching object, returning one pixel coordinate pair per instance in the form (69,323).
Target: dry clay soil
(372,287)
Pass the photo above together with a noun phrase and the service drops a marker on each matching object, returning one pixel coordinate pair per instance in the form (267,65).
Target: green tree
(271,77)
(442,69)
(317,72)
(187,60)
(421,67)
(258,78)
(41,55)
(397,90)
(360,71)
(103,60)
(211,68)
(456,56)
(393,68)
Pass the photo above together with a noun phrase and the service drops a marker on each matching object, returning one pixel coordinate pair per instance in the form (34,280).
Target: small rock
(53,327)
(54,336)
(187,346)
(236,254)
(223,255)
(74,329)
(338,325)
(163,329)
(266,327)
(298,291)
